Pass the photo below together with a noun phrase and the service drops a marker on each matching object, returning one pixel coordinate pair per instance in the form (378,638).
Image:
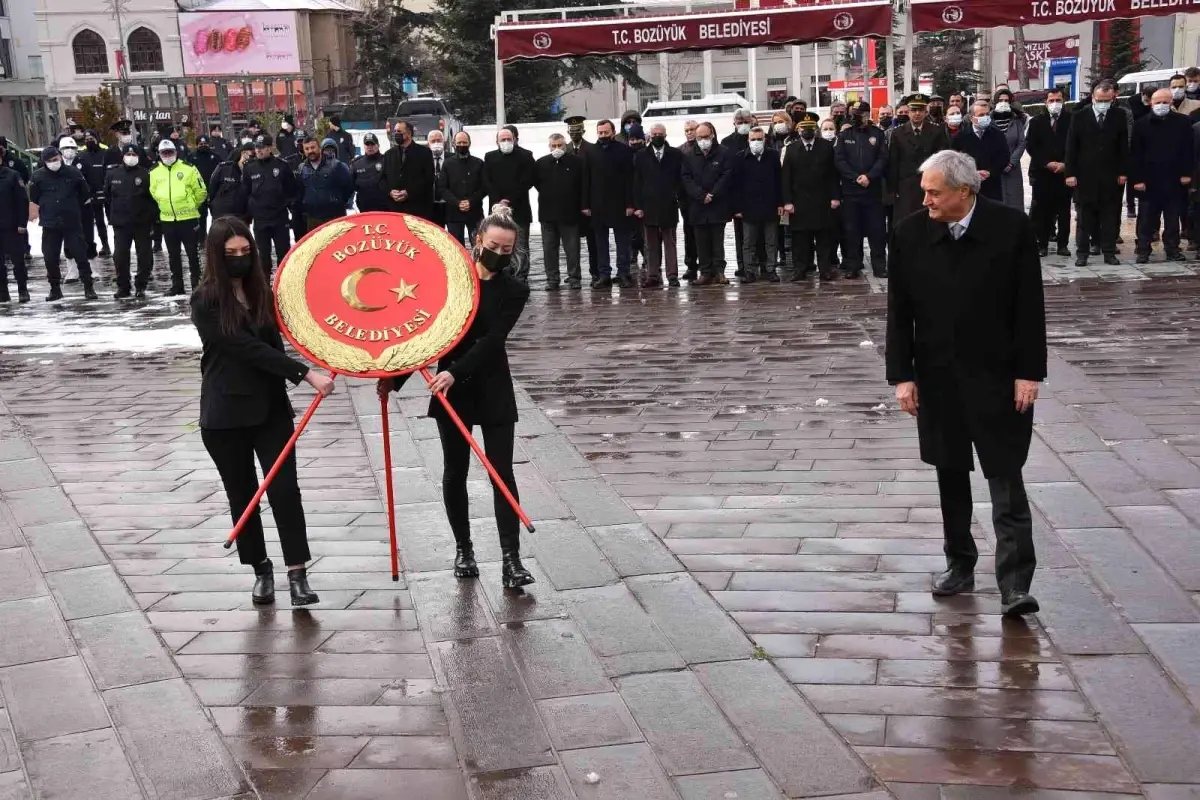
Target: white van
(707,106)
(1133,83)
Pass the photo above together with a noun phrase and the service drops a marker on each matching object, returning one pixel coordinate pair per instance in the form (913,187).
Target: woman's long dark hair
(216,288)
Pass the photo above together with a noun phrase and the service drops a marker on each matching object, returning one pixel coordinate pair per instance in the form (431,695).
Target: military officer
(911,144)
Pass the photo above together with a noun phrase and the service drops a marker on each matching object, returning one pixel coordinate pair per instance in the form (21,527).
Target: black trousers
(863,216)
(710,248)
(12,249)
(299,228)
(273,236)
(202,229)
(182,237)
(1051,212)
(96,226)
(1166,206)
(53,241)
(586,235)
(689,242)
(311,222)
(456,458)
(464,232)
(1098,222)
(566,236)
(739,244)
(233,453)
(125,237)
(1015,556)
(806,244)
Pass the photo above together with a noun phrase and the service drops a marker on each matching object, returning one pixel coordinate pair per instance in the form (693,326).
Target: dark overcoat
(704,174)
(1046,143)
(810,183)
(907,151)
(990,152)
(757,182)
(966,319)
(657,186)
(608,183)
(1097,155)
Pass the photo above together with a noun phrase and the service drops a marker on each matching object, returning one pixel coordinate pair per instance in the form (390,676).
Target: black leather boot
(302,593)
(515,575)
(264,584)
(464,561)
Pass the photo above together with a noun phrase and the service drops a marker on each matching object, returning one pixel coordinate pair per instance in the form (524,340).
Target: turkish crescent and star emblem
(952,15)
(843,21)
(376,294)
(542,41)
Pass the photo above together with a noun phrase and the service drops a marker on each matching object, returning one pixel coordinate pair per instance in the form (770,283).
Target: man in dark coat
(508,174)
(226,193)
(558,178)
(370,192)
(966,350)
(461,183)
(656,189)
(608,202)
(205,160)
(908,147)
(861,158)
(811,192)
(285,140)
(132,211)
(987,145)
(343,139)
(61,194)
(1097,167)
(14,221)
(577,145)
(91,162)
(1046,143)
(272,188)
(689,233)
(735,143)
(758,203)
(707,178)
(1161,164)
(408,174)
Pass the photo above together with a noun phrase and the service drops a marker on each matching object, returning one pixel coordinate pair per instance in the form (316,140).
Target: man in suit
(966,350)
(559,182)
(577,145)
(689,232)
(1097,167)
(436,142)
(811,193)
(408,174)
(461,185)
(757,205)
(656,189)
(707,180)
(987,145)
(608,202)
(508,175)
(1046,143)
(909,146)
(1161,162)
(1179,99)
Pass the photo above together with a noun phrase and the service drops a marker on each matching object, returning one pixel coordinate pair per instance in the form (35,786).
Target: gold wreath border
(404,357)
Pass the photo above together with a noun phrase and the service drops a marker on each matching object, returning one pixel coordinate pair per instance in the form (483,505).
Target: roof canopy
(940,15)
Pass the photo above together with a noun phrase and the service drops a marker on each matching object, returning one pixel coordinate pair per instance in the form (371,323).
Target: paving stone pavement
(732,594)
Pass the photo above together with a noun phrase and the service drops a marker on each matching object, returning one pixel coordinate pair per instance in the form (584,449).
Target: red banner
(1038,53)
(666,33)
(940,15)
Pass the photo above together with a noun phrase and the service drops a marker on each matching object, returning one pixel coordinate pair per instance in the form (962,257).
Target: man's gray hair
(658,127)
(958,169)
(742,115)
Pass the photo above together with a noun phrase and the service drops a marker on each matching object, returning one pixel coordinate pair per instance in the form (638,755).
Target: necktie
(658,154)
(437,166)
(808,147)
(1054,124)
(957,229)
(1100,119)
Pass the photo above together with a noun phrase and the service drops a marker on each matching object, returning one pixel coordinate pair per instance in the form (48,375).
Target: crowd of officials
(800,185)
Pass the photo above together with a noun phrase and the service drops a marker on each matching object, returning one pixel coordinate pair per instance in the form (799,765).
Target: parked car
(427,114)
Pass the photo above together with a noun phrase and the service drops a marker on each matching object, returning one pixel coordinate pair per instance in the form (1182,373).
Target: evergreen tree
(98,112)
(462,64)
(950,56)
(389,48)
(1120,52)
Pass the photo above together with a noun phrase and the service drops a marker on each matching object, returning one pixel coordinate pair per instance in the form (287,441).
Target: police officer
(861,156)
(132,211)
(285,140)
(296,161)
(219,144)
(271,188)
(18,166)
(205,160)
(91,162)
(60,193)
(226,194)
(367,171)
(14,219)
(179,192)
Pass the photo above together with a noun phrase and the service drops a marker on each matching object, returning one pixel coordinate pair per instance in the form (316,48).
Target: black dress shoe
(464,562)
(602,283)
(1112,260)
(89,293)
(140,294)
(852,274)
(176,291)
(302,594)
(625,281)
(880,273)
(772,277)
(1178,255)
(1043,252)
(1018,604)
(55,294)
(263,593)
(1094,250)
(690,275)
(1141,259)
(1063,250)
(514,573)
(23,297)
(748,277)
(673,283)
(1081,260)
(830,276)
(953,581)
(121,294)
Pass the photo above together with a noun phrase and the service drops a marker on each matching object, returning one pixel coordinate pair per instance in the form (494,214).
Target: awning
(715,30)
(940,15)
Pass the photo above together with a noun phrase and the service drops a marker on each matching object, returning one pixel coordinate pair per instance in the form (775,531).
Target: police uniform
(226,194)
(370,194)
(862,150)
(132,211)
(271,189)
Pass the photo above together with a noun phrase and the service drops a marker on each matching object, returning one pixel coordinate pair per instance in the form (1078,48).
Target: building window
(649,96)
(776,81)
(145,51)
(775,48)
(6,65)
(91,58)
(824,45)
(35,67)
(689,91)
(818,79)
(729,87)
(733,51)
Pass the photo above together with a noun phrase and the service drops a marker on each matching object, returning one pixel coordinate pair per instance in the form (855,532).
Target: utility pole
(115,7)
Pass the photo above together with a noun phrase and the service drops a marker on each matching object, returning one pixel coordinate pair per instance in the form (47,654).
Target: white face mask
(506,147)
(828,134)
(781,128)
(704,144)
(68,155)
(1177,93)
(130,161)
(1102,107)
(757,146)
(1161,109)
(743,128)
(126,140)
(54,166)
(1055,108)
(169,160)
(1193,87)
(983,122)
(1003,108)
(437,148)
(954,119)
(557,152)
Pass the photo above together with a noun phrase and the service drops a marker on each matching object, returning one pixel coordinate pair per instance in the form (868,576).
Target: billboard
(1038,53)
(239,42)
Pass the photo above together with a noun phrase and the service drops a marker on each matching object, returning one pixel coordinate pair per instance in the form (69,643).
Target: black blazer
(810,184)
(242,376)
(990,154)
(482,393)
(1097,156)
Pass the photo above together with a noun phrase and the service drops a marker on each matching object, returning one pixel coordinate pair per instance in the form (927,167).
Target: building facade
(25,110)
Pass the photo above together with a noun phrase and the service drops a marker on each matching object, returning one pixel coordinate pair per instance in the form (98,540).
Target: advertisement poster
(239,43)
(1038,53)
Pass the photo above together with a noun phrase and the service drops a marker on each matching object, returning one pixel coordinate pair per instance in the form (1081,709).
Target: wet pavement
(734,550)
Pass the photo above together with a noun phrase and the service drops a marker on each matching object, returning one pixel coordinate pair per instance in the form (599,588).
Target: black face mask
(401,139)
(884,121)
(903,118)
(807,133)
(936,112)
(92,147)
(493,261)
(658,142)
(636,145)
(239,266)
(603,140)
(462,150)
